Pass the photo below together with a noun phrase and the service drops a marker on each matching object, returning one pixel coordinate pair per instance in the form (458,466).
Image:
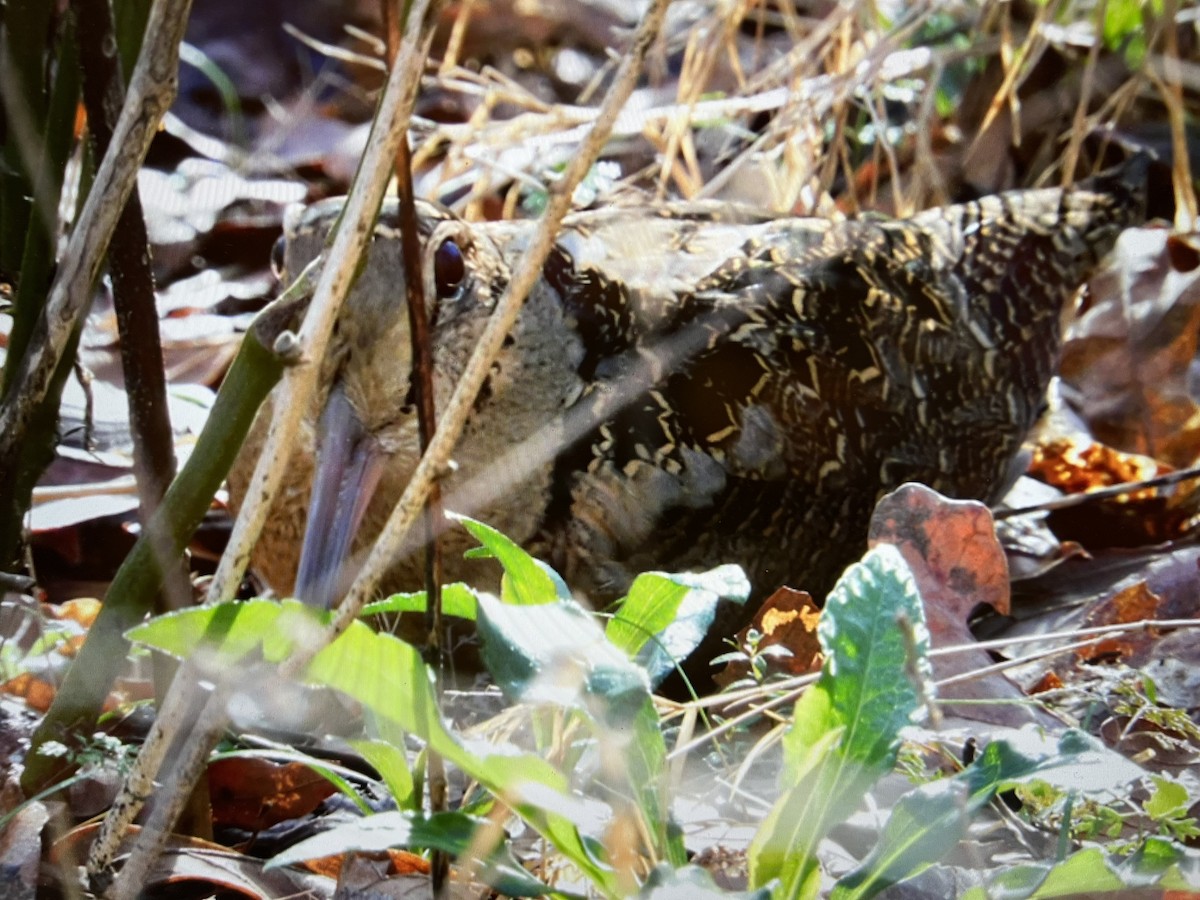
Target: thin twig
(1079,130)
(172,717)
(185,771)
(787,691)
(1107,493)
(349,243)
(129,597)
(133,297)
(432,518)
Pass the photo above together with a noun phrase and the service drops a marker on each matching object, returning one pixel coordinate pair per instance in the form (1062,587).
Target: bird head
(364,422)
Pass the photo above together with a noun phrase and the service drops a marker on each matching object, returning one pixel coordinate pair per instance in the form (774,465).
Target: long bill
(349,463)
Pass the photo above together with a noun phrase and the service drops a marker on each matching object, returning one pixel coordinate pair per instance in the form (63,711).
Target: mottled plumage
(687,387)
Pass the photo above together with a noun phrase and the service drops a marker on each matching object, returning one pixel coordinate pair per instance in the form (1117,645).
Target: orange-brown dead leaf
(36,693)
(788,618)
(1048,682)
(1076,468)
(951,547)
(1144,516)
(255,794)
(1135,603)
(400,862)
(82,610)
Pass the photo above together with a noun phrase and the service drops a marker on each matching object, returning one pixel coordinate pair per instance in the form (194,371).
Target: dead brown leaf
(788,618)
(255,794)
(1128,355)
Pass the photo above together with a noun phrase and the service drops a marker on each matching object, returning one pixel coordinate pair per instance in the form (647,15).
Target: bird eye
(448,268)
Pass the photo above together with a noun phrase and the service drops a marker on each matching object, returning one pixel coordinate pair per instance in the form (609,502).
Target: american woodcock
(687,387)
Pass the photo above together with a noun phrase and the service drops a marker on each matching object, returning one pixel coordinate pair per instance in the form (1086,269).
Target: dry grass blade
(1167,74)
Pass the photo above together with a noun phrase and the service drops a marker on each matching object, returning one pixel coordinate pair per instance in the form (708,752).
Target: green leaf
(1124,28)
(1074,762)
(458,600)
(391,762)
(549,653)
(867,670)
(527,582)
(923,825)
(556,654)
(1159,864)
(784,845)
(846,727)
(677,610)
(232,629)
(388,677)
(1169,798)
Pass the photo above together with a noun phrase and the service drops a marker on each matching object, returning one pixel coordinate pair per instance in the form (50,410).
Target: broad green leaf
(527,582)
(458,600)
(846,727)
(867,667)
(677,610)
(552,653)
(1071,761)
(932,818)
(650,606)
(232,629)
(923,826)
(556,654)
(388,677)
(391,762)
(784,845)
(1160,864)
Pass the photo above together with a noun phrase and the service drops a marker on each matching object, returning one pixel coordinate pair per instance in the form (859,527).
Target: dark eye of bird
(448,268)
